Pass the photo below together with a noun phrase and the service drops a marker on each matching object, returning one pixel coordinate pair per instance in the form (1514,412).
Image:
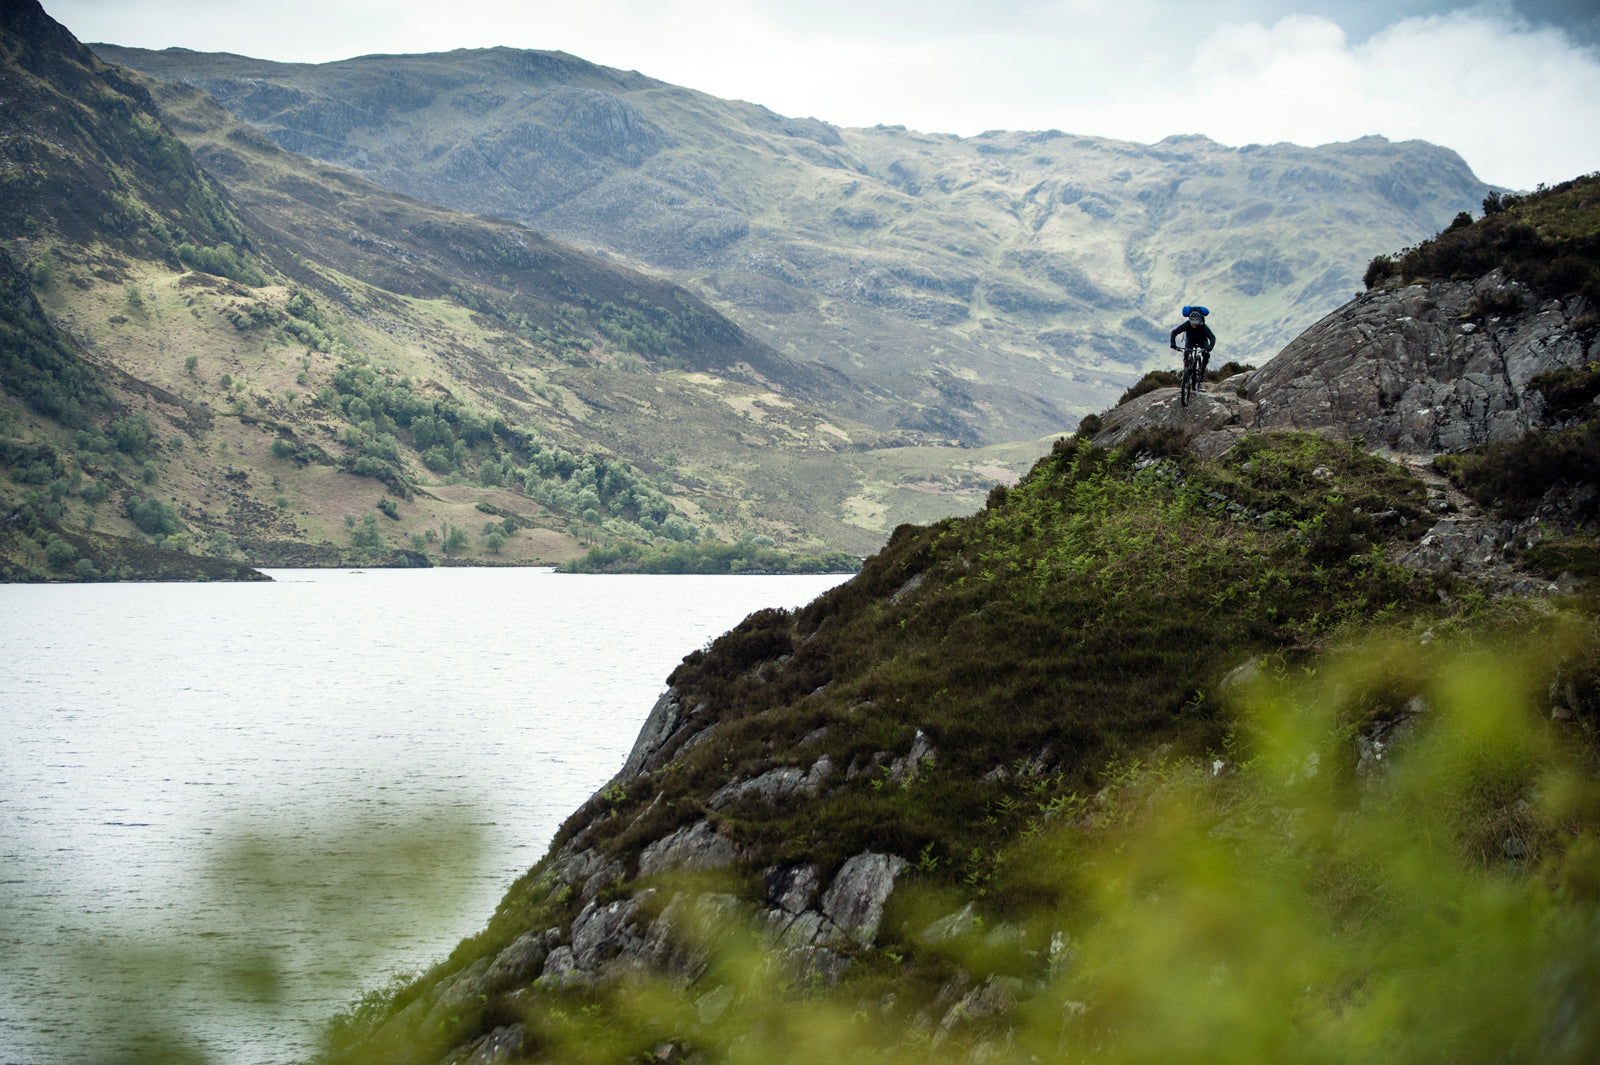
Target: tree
(365,537)
(456,540)
(150,515)
(131,434)
(59,553)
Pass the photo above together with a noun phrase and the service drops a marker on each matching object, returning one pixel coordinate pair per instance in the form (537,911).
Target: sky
(1512,85)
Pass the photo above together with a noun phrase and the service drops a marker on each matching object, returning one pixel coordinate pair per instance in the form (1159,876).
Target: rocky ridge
(1410,372)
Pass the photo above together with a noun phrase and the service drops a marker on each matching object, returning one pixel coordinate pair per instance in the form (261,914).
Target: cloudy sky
(1513,85)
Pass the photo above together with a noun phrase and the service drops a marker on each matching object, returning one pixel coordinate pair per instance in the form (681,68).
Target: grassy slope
(1064,650)
(476,314)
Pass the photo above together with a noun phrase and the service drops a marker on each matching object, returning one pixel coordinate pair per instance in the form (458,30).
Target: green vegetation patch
(708,557)
(1515,476)
(1548,239)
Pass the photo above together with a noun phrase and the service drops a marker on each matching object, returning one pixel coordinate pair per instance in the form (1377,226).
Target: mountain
(979,289)
(230,351)
(1221,742)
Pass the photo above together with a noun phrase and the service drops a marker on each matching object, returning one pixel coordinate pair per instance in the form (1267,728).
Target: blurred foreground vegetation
(1272,903)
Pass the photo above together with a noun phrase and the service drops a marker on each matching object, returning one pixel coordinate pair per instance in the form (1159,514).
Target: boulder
(921,756)
(696,846)
(524,958)
(854,902)
(774,785)
(501,1045)
(658,728)
(792,888)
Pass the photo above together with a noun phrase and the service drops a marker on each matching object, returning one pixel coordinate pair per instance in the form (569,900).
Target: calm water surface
(225,809)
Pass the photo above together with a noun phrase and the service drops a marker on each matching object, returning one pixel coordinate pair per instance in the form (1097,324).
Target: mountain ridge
(985,288)
(303,319)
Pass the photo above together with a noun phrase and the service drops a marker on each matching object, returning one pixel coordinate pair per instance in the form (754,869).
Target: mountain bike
(1194,374)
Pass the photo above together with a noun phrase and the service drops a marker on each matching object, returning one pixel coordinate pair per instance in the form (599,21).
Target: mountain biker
(1196,334)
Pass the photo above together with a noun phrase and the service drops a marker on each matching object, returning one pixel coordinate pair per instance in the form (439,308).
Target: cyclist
(1196,334)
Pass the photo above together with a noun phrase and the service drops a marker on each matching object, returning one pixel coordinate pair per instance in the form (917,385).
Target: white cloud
(1521,105)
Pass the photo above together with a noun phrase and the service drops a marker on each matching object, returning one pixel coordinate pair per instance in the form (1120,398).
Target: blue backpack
(1190,310)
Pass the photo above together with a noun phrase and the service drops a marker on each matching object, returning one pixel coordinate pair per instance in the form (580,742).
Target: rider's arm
(1173,341)
(1210,337)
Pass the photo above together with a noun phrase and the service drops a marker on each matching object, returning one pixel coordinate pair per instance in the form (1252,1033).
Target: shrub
(1149,383)
(1227,370)
(1495,302)
(1516,475)
(1569,391)
(59,553)
(1381,268)
(150,515)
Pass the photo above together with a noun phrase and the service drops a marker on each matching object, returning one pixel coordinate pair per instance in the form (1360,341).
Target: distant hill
(981,289)
(231,351)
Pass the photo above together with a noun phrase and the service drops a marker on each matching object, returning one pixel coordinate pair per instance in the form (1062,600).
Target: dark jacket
(1195,336)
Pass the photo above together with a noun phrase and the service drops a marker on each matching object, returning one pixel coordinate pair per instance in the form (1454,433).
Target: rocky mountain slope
(1184,745)
(981,289)
(222,349)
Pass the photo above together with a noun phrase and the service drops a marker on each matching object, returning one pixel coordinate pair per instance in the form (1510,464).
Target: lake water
(225,809)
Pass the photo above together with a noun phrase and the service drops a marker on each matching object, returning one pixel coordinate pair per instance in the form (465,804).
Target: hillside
(1206,745)
(981,289)
(223,350)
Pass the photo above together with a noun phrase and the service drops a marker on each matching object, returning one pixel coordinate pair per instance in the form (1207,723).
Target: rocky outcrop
(1427,368)
(809,923)
(696,846)
(1420,370)
(1409,372)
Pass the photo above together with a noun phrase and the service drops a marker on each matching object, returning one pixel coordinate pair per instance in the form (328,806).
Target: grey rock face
(457,991)
(855,900)
(524,958)
(793,889)
(774,785)
(961,923)
(1457,544)
(682,941)
(921,756)
(602,932)
(658,728)
(1414,371)
(501,1045)
(588,868)
(1417,370)
(1214,419)
(1377,744)
(696,846)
